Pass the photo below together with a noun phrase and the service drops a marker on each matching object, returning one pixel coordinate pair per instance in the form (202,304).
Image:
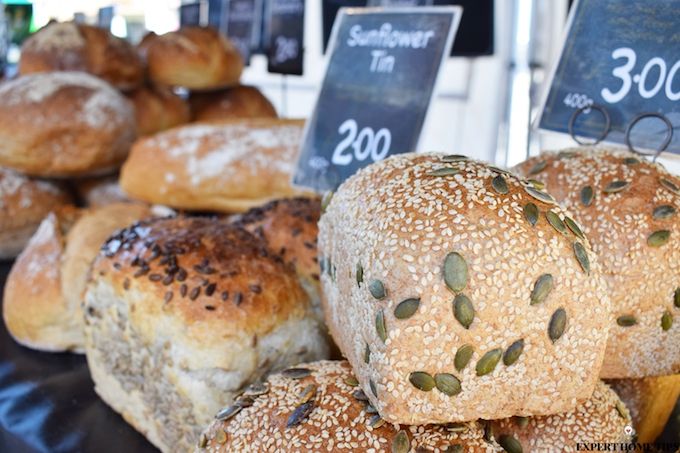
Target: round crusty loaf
(24,202)
(650,401)
(433,272)
(63,124)
(98,192)
(317,408)
(193,57)
(633,224)
(157,109)
(229,166)
(68,46)
(182,313)
(238,102)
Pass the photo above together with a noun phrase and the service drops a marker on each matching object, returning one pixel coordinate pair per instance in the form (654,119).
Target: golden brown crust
(71,124)
(193,57)
(68,46)
(237,102)
(98,192)
(642,279)
(158,109)
(226,166)
(340,421)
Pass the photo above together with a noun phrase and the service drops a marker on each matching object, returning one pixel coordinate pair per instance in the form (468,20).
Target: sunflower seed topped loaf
(317,407)
(628,207)
(458,291)
(181,314)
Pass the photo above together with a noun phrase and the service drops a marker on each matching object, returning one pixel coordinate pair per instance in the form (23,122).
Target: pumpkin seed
(457,448)
(566,154)
(631,161)
(360,274)
(510,444)
(615,186)
(422,381)
(406,308)
(573,226)
(587,195)
(202,441)
(531,213)
(499,170)
(540,185)
(456,427)
(380,325)
(670,185)
(542,288)
(228,412)
(521,422)
(359,395)
(663,212)
(676,298)
(444,171)
(557,325)
(488,431)
(666,320)
(367,354)
(621,409)
(352,381)
(374,389)
(556,222)
(582,257)
(488,362)
(307,394)
(256,389)
(221,436)
(377,289)
(511,355)
(463,310)
(626,320)
(300,414)
(370,409)
(454,158)
(463,356)
(500,185)
(538,167)
(658,238)
(326,200)
(296,373)
(540,195)
(244,401)
(401,443)
(447,383)
(455,271)
(376,421)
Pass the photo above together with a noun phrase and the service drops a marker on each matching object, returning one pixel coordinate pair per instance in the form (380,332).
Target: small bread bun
(451,301)
(183,313)
(650,401)
(317,407)
(157,109)
(67,46)
(63,124)
(98,192)
(193,57)
(629,209)
(24,202)
(238,102)
(227,166)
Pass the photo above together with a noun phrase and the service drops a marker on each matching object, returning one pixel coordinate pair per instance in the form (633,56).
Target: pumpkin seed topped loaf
(628,207)
(459,292)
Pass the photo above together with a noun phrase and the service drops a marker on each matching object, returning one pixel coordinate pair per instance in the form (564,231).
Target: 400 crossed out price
(361,144)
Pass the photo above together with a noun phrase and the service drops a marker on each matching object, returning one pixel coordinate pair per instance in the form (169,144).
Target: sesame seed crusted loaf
(62,124)
(628,208)
(317,407)
(228,166)
(446,281)
(182,313)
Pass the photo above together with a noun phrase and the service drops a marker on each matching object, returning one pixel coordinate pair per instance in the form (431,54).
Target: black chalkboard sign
(216,14)
(241,19)
(190,14)
(286,22)
(378,85)
(624,57)
(105,17)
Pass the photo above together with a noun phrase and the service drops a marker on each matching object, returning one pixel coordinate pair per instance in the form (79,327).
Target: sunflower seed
(626,320)
(360,274)
(539,167)
(531,213)
(359,395)
(488,362)
(352,381)
(367,354)
(666,320)
(380,325)
(406,308)
(658,238)
(455,272)
(370,409)
(376,421)
(556,222)
(444,171)
(401,443)
(256,389)
(670,185)
(542,288)
(422,381)
(510,444)
(587,195)
(456,427)
(511,355)
(228,412)
(244,401)
(500,185)
(573,226)
(540,195)
(447,383)
(540,185)
(521,422)
(377,289)
(454,158)
(676,297)
(374,389)
(307,394)
(300,414)
(463,356)
(326,200)
(631,161)
(615,186)
(663,212)
(557,325)
(582,257)
(296,373)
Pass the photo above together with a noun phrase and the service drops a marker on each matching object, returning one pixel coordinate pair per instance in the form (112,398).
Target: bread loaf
(157,109)
(237,102)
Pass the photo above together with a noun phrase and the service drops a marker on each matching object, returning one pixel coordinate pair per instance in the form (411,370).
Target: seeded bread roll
(157,109)
(68,46)
(650,401)
(317,407)
(629,209)
(24,202)
(238,102)
(98,192)
(63,124)
(193,57)
(229,166)
(183,313)
(442,288)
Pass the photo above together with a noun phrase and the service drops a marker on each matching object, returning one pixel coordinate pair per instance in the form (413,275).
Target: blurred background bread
(99,191)
(237,102)
(157,109)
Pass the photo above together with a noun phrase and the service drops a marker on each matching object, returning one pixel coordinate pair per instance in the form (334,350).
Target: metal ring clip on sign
(607,123)
(666,141)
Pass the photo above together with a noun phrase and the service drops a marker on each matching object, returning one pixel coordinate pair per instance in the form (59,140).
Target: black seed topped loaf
(629,208)
(182,313)
(318,407)
(454,298)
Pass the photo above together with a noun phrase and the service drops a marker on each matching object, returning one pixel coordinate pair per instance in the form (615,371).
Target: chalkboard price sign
(623,57)
(286,36)
(240,24)
(105,17)
(378,85)
(190,14)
